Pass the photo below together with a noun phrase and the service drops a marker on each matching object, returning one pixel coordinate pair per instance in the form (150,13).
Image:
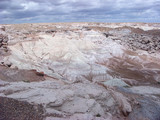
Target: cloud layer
(33,11)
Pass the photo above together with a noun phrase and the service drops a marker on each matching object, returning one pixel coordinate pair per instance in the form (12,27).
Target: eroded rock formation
(80,71)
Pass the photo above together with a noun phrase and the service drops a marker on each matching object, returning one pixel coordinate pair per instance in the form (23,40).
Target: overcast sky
(37,11)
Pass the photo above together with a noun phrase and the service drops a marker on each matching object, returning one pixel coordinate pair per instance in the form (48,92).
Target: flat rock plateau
(80,71)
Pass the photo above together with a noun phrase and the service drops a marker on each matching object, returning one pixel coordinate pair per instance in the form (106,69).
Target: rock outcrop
(3,43)
(100,71)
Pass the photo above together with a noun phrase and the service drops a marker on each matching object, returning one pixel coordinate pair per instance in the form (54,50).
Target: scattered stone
(143,40)
(11,109)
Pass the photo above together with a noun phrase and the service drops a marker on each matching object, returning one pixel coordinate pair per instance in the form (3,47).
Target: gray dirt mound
(146,110)
(11,109)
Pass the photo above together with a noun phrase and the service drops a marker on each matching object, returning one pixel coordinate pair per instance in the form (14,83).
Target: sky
(49,11)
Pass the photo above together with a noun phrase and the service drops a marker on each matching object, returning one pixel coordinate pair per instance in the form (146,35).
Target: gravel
(11,109)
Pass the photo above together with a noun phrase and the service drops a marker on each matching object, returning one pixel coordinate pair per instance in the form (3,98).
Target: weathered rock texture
(82,71)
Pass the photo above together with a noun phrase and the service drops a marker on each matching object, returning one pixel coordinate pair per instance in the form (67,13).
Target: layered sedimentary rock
(82,70)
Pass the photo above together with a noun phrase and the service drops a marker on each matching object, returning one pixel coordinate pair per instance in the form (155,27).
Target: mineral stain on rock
(61,71)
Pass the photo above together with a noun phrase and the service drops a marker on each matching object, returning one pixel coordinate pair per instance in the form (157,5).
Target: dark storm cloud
(21,11)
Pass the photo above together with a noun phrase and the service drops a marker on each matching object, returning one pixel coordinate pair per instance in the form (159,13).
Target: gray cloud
(28,11)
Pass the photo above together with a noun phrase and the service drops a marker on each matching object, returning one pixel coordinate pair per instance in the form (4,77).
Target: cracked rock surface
(85,71)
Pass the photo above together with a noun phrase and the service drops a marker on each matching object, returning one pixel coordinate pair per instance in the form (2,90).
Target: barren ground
(80,71)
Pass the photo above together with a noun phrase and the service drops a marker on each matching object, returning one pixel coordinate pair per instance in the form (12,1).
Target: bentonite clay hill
(80,71)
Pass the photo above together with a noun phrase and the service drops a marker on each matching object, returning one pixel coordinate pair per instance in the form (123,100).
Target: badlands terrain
(80,71)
